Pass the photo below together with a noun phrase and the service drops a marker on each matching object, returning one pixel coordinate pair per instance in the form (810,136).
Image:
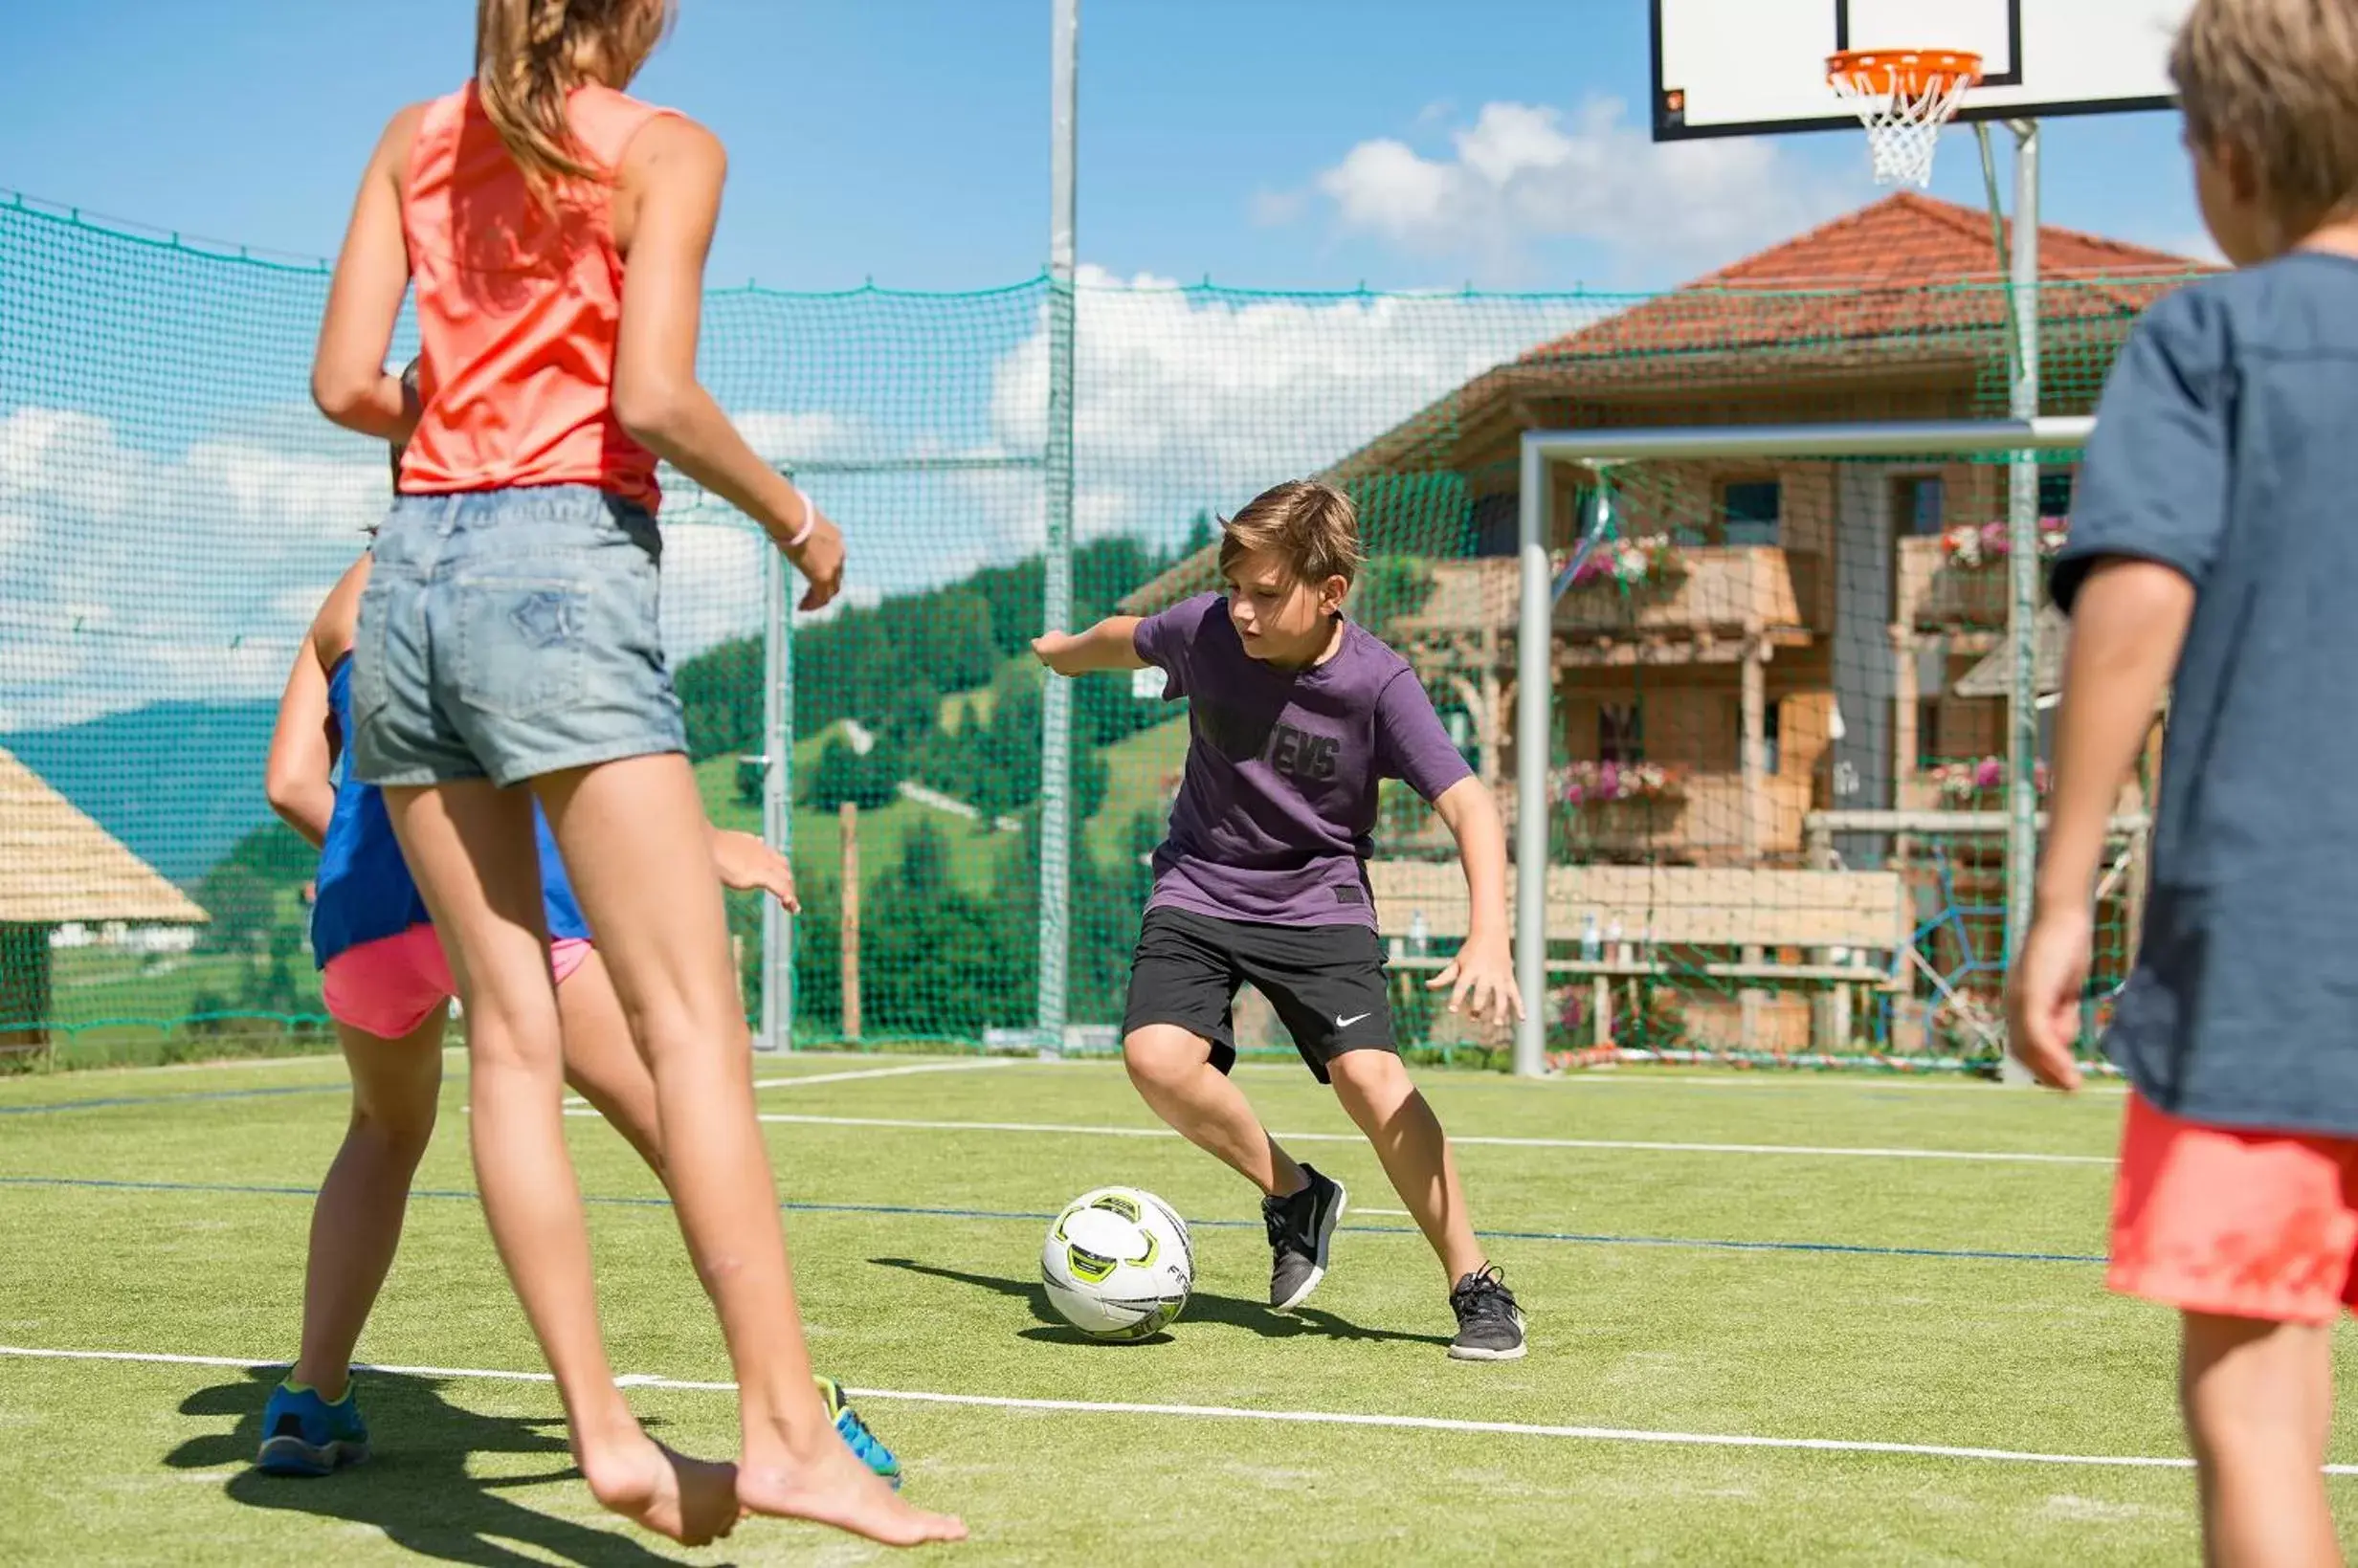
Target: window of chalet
(1922,501)
(1749,510)
(1772,749)
(2054,493)
(1620,732)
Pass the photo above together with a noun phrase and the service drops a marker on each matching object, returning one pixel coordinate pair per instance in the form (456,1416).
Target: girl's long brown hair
(530,53)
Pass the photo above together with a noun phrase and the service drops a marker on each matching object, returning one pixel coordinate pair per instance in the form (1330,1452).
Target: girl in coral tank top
(555,231)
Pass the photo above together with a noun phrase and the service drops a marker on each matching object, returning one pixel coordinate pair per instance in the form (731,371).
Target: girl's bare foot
(833,1487)
(692,1501)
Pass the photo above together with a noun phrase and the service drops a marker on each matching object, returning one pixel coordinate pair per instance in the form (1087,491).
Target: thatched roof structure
(57,864)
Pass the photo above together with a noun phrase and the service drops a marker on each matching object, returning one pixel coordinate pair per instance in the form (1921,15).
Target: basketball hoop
(1903,97)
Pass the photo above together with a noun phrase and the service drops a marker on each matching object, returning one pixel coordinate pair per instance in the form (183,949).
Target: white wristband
(809,521)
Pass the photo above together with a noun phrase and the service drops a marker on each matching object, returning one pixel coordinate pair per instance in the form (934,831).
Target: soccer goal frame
(1535,640)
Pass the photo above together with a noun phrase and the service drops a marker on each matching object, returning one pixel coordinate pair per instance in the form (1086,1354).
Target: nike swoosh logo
(1347,1023)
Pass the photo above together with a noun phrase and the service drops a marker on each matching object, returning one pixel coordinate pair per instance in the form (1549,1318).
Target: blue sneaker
(302,1434)
(855,1434)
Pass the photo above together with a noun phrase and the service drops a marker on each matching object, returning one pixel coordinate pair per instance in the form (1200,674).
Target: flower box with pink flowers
(1973,545)
(1625,564)
(1970,780)
(1586,784)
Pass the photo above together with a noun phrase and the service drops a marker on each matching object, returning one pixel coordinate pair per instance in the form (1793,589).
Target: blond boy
(2213,550)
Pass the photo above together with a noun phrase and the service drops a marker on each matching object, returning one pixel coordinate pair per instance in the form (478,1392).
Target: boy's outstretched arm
(2127,625)
(1112,644)
(1484,971)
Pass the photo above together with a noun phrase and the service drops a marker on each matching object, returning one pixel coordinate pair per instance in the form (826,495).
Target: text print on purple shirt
(1276,814)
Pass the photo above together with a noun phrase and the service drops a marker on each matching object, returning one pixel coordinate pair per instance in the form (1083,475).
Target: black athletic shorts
(1327,982)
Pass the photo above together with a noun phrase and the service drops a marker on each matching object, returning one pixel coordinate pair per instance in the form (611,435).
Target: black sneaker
(1299,1227)
(1489,1323)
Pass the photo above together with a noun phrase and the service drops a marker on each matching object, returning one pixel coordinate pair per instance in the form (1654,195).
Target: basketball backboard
(1750,67)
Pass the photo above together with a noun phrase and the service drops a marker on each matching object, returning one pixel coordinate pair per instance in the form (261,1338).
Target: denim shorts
(508,633)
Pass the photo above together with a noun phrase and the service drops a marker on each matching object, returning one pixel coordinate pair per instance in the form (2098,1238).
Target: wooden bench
(1743,916)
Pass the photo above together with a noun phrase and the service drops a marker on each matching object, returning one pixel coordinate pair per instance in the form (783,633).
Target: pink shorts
(390,986)
(2232,1221)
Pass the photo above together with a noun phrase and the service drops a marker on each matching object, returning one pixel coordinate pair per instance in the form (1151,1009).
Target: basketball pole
(2022,560)
(1056,891)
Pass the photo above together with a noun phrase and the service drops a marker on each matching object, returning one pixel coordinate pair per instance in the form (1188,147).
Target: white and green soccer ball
(1117,1264)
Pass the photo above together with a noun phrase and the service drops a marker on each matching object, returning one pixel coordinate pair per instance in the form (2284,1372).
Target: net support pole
(1534,693)
(2022,562)
(777,1026)
(1057,611)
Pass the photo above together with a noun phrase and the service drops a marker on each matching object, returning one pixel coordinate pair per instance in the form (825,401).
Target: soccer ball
(1117,1264)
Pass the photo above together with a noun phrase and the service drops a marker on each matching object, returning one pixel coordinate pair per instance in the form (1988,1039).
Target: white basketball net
(1904,127)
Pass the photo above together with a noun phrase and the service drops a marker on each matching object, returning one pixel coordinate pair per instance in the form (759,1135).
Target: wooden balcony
(1725,594)
(1702,826)
(1938,596)
(1918,792)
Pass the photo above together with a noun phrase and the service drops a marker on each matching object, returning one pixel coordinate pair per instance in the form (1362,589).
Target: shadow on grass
(1203,1307)
(416,1488)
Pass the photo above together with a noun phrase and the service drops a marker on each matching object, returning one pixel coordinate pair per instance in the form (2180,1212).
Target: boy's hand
(1054,649)
(1483,972)
(750,866)
(2042,994)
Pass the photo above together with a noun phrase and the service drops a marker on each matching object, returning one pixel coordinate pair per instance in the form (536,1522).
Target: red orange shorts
(2235,1222)
(390,986)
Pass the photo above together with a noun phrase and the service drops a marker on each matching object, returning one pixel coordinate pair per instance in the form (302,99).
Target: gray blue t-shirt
(2226,447)
(1276,814)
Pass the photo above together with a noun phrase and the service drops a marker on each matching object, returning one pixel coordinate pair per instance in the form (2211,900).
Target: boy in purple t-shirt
(1296,715)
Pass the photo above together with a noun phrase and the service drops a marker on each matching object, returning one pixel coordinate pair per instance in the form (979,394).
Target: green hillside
(974,851)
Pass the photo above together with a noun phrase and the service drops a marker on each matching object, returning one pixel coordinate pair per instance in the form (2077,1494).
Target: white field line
(2000,1157)
(1222,1412)
(975,1066)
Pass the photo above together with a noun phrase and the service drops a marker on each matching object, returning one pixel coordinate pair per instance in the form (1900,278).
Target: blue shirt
(364,891)
(2226,449)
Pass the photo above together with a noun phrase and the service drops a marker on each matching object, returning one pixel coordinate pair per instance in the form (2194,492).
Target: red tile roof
(1908,266)
(1903,285)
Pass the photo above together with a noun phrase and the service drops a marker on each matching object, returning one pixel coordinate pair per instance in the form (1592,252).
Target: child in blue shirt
(2215,550)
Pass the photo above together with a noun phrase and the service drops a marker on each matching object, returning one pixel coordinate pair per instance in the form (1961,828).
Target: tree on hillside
(720,695)
(242,893)
(935,960)
(868,782)
(947,634)
(240,900)
(1107,902)
(911,711)
(860,663)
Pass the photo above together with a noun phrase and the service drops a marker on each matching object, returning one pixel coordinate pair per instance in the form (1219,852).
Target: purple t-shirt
(1276,814)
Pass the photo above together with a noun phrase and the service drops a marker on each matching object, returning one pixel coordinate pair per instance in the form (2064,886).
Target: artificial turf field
(1849,1262)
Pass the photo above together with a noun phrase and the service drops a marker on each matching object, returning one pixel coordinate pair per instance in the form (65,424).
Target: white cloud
(712,583)
(799,435)
(1385,185)
(130,576)
(1189,400)
(1522,173)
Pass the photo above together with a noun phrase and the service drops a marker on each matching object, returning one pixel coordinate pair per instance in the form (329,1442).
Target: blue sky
(907,140)
(154,426)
